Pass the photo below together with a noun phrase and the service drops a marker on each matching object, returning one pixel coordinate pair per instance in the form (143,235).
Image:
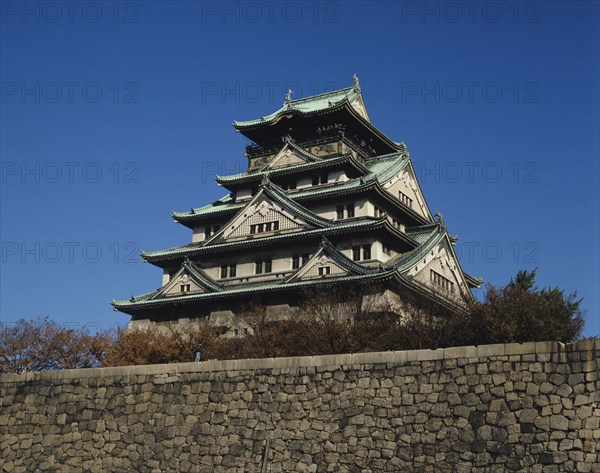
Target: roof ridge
(192,247)
(382,157)
(279,193)
(199,273)
(292,143)
(243,289)
(287,169)
(324,94)
(409,257)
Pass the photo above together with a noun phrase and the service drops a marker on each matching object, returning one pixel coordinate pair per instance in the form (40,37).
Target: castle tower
(327,200)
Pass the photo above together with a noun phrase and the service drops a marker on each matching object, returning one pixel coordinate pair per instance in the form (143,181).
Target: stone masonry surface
(517,407)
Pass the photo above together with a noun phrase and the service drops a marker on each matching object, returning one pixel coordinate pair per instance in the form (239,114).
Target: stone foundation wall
(518,407)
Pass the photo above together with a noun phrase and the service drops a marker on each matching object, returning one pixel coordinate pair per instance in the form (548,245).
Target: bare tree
(41,344)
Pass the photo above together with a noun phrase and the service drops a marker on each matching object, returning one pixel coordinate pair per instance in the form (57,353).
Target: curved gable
(405,187)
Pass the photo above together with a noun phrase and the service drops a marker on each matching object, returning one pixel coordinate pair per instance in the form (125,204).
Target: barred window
(264,227)
(366,252)
(406,200)
(441,281)
(350,210)
(228,271)
(320,179)
(210,231)
(323,270)
(344,211)
(263,266)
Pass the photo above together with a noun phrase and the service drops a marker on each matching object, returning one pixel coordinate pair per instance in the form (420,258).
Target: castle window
(228,271)
(299,260)
(290,185)
(264,227)
(263,266)
(320,179)
(406,200)
(441,281)
(185,288)
(210,231)
(366,252)
(350,210)
(323,270)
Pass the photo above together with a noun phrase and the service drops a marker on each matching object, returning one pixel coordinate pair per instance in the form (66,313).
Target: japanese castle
(327,200)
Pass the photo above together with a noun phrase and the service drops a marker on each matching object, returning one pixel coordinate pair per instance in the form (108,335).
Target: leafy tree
(520,312)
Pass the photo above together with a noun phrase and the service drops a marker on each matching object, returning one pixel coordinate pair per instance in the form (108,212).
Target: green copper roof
(145,302)
(307,105)
(248,177)
(200,276)
(428,237)
(360,224)
(278,195)
(381,169)
(194,272)
(292,144)
(329,250)
(473,281)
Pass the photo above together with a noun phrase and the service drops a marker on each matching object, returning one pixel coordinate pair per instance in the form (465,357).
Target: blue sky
(114,114)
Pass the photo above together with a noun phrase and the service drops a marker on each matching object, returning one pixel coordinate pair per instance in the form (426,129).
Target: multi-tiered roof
(327,200)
